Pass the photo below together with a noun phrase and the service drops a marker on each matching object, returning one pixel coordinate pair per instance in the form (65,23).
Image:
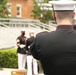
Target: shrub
(8,58)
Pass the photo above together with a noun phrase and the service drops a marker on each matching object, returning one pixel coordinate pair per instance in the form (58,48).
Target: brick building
(20,8)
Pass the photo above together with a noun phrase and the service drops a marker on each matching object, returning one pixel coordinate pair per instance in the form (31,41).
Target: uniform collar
(64,27)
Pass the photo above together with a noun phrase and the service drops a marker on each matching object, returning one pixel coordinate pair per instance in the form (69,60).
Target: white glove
(27,52)
(22,46)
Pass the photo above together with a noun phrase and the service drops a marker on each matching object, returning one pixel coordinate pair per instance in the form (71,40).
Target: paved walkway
(7,71)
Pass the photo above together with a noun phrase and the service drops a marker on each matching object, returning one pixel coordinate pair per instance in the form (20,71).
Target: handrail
(26,23)
(1,24)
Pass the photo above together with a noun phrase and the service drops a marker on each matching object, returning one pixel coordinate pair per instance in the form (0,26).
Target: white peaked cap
(63,4)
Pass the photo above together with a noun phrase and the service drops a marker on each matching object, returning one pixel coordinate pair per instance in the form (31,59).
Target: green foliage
(3,1)
(36,11)
(3,8)
(47,15)
(46,1)
(8,58)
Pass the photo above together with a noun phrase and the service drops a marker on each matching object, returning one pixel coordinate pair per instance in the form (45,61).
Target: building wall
(26,8)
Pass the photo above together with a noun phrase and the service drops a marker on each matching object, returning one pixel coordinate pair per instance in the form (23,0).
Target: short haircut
(64,14)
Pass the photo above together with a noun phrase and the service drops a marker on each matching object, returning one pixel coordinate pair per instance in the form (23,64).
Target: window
(18,10)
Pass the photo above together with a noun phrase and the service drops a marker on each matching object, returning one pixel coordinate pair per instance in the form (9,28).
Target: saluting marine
(57,50)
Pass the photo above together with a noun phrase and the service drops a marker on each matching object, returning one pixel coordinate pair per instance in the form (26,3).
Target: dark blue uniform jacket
(56,50)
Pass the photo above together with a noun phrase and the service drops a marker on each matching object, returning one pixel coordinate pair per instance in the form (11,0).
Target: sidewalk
(7,71)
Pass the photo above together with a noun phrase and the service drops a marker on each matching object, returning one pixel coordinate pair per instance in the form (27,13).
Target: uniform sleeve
(36,46)
(34,50)
(18,40)
(27,44)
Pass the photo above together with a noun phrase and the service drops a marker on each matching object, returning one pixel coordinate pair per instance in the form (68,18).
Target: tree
(37,13)
(3,8)
(47,16)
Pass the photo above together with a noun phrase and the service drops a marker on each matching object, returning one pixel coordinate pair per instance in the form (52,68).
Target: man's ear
(73,15)
(53,14)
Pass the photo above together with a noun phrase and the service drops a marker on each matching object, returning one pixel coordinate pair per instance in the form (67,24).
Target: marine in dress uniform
(31,62)
(57,49)
(21,50)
